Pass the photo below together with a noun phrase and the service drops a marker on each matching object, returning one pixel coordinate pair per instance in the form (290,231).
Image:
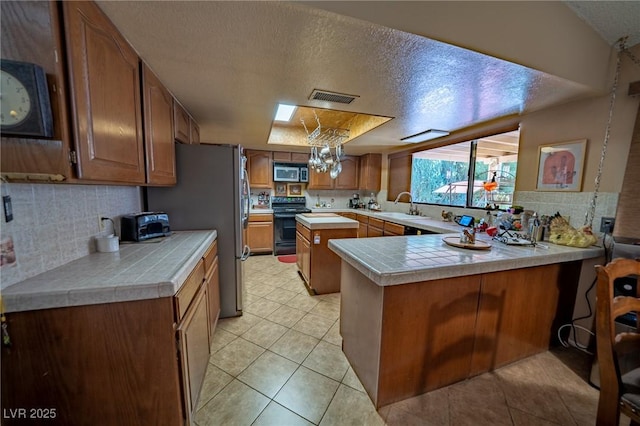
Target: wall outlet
(606,224)
(102,223)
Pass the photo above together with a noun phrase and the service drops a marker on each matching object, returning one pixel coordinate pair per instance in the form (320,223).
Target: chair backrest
(610,344)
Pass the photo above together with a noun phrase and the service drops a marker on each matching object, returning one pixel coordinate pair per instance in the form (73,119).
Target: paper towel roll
(107,243)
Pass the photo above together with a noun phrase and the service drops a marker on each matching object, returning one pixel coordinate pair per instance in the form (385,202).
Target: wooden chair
(618,392)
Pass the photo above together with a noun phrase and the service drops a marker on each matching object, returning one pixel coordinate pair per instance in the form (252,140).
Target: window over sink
(475,173)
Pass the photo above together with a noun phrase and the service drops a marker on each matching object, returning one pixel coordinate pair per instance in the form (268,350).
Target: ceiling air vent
(322,95)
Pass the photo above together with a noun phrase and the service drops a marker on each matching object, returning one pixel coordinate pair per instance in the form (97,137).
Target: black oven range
(285,210)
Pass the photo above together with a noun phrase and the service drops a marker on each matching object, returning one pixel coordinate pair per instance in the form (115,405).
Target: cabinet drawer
(260,217)
(209,257)
(362,218)
(348,215)
(184,296)
(393,228)
(376,223)
(304,231)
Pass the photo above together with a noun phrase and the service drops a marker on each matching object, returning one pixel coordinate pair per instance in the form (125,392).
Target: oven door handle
(284,215)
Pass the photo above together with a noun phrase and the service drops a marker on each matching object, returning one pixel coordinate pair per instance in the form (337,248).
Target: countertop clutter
(401,260)
(421,222)
(138,271)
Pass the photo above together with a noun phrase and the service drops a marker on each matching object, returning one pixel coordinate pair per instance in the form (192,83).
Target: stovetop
(289,205)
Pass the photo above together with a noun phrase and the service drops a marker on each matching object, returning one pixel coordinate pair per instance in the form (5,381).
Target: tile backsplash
(571,205)
(54,224)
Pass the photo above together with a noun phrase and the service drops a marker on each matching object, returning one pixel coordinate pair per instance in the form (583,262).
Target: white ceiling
(230,63)
(611,19)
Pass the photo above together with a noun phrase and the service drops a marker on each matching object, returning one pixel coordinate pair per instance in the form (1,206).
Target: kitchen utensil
(334,172)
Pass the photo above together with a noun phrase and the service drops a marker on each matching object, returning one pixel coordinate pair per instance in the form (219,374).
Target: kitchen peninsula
(114,336)
(417,314)
(318,265)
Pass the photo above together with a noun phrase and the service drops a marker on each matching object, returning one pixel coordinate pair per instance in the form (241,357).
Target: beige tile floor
(281,364)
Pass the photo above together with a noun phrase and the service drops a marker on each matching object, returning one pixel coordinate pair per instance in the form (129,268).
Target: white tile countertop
(436,225)
(253,210)
(145,270)
(326,221)
(400,260)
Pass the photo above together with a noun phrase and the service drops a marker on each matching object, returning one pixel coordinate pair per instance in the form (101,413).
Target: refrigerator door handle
(247,200)
(245,253)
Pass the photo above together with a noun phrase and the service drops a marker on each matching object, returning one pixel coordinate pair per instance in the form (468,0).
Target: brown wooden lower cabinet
(349,215)
(212,281)
(303,255)
(373,231)
(260,233)
(375,228)
(391,229)
(193,337)
(134,362)
(319,265)
(363,230)
(405,340)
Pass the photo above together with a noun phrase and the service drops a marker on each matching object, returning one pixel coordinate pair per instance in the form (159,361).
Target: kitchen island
(114,337)
(317,264)
(418,314)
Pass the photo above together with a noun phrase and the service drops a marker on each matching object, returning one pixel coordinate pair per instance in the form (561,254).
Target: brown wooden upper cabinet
(290,157)
(158,119)
(182,127)
(260,168)
(31,33)
(194,131)
(186,129)
(370,172)
(105,89)
(319,180)
(399,175)
(100,112)
(347,179)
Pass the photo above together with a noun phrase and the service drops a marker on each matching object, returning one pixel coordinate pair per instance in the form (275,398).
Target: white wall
(54,224)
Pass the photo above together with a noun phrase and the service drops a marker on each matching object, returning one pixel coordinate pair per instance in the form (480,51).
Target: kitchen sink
(398,215)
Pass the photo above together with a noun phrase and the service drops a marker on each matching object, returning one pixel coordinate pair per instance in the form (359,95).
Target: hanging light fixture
(322,142)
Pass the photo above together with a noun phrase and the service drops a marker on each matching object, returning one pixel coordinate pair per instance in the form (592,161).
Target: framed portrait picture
(281,189)
(294,189)
(561,165)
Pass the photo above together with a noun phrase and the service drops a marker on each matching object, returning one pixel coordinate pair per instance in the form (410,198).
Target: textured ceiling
(230,63)
(611,19)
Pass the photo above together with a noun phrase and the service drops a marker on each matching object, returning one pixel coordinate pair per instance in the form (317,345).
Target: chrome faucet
(413,210)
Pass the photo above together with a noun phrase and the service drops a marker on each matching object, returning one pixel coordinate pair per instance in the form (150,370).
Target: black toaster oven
(143,226)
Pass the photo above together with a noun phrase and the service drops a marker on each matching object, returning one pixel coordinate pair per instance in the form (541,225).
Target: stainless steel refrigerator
(212,193)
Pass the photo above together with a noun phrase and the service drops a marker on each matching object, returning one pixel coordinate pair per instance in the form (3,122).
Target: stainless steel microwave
(290,173)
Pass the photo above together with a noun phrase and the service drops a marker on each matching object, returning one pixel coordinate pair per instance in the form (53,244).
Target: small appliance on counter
(355,202)
(143,226)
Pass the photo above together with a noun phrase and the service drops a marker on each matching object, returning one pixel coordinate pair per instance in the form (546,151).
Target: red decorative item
(490,186)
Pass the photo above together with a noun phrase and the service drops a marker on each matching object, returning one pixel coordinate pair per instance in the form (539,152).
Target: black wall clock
(25,108)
